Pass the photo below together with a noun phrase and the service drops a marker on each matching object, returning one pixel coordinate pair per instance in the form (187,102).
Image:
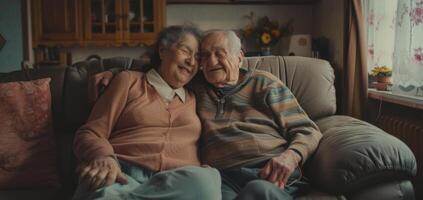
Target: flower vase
(383,79)
(265,51)
(383,83)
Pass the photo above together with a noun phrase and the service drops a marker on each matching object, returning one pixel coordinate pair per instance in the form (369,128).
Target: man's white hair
(234,42)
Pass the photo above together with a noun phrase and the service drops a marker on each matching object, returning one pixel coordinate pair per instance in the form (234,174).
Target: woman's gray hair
(234,42)
(170,36)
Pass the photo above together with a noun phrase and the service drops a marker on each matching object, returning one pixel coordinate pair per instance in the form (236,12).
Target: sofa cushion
(354,155)
(310,80)
(27,147)
(392,190)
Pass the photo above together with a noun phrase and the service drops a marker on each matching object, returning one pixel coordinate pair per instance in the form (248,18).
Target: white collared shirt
(164,90)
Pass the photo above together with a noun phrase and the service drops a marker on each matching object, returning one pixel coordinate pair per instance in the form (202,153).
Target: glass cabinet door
(141,18)
(123,21)
(142,22)
(104,19)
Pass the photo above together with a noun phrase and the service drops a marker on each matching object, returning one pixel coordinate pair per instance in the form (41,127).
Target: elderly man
(254,130)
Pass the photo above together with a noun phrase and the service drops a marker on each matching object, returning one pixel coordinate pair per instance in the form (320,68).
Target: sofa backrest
(76,106)
(310,80)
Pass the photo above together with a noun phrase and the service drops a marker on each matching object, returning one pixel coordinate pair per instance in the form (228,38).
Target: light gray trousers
(185,183)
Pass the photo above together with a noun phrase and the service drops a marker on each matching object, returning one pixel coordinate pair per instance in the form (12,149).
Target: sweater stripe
(257,122)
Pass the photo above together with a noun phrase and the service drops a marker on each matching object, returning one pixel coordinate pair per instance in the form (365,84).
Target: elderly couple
(242,135)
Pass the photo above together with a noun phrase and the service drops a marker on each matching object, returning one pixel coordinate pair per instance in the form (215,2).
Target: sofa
(354,160)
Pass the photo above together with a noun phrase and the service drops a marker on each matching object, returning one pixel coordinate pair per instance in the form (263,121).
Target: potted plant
(383,77)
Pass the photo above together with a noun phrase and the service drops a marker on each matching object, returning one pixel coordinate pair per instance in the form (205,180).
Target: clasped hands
(100,172)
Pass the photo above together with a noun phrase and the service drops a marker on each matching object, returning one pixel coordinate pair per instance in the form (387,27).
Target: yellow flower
(374,72)
(381,71)
(266,38)
(385,69)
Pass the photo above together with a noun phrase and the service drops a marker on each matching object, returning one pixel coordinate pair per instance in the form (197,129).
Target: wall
(11,55)
(212,16)
(328,21)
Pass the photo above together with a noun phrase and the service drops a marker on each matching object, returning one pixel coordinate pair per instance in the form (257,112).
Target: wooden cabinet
(64,23)
(241,1)
(60,24)
(130,22)
(56,22)
(198,1)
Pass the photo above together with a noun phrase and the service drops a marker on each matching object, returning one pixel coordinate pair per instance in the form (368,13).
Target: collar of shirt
(164,90)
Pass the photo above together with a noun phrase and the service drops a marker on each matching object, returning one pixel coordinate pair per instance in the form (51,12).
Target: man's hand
(278,169)
(101,172)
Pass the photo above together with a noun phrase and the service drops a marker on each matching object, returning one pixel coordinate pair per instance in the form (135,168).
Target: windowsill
(409,101)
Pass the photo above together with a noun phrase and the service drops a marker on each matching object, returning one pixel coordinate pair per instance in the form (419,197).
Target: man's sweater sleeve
(297,128)
(92,139)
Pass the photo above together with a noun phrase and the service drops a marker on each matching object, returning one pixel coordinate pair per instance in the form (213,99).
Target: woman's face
(179,63)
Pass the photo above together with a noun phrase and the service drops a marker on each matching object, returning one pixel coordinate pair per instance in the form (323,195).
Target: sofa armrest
(354,154)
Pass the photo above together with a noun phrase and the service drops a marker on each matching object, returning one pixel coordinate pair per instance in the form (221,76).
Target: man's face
(179,62)
(220,66)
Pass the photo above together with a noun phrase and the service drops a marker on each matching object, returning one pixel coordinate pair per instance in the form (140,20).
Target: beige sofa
(354,160)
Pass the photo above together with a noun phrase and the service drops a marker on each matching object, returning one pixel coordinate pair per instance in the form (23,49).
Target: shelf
(241,1)
(107,24)
(404,100)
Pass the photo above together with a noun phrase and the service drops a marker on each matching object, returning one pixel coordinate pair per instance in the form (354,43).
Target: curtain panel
(354,93)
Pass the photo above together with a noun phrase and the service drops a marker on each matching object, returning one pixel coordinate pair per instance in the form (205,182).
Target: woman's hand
(100,172)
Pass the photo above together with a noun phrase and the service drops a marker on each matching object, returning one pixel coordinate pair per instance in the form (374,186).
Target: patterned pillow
(27,144)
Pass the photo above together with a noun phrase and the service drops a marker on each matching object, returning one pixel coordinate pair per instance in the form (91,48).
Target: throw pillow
(27,144)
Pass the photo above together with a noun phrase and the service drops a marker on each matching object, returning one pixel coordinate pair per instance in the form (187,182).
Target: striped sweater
(257,120)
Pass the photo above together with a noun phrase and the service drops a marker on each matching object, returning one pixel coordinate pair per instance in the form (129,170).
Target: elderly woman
(140,141)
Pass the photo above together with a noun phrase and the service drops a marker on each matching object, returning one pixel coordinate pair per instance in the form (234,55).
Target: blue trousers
(244,183)
(185,183)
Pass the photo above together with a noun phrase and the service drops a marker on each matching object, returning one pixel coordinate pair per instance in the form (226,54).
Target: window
(395,39)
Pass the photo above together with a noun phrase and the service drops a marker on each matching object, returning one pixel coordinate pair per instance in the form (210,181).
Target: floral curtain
(395,38)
